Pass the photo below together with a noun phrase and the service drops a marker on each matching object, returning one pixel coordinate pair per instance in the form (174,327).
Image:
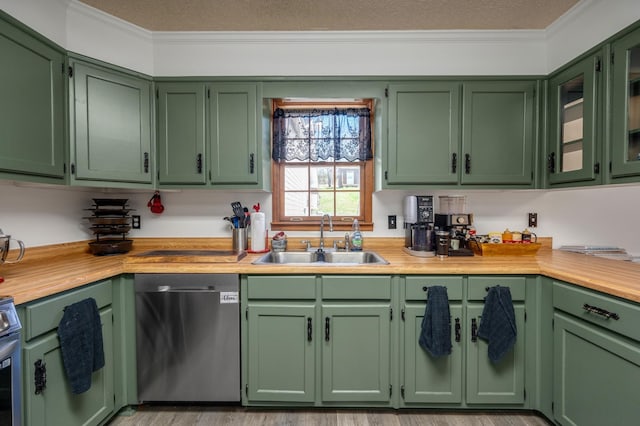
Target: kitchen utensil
(238,211)
(5,241)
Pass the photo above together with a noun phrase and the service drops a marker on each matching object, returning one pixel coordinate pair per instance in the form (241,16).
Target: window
(322,164)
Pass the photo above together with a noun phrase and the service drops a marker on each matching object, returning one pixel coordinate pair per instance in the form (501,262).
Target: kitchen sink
(315,258)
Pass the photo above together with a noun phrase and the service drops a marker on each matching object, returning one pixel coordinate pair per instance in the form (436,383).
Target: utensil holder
(239,239)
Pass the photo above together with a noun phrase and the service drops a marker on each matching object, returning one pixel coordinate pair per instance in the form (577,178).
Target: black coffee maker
(418,224)
(458,226)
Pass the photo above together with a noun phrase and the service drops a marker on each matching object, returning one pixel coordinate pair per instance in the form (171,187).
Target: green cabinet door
(181,133)
(111,125)
(499,383)
(428,379)
(56,404)
(498,133)
(596,375)
(423,145)
(572,113)
(281,356)
(235,157)
(356,352)
(625,106)
(31,105)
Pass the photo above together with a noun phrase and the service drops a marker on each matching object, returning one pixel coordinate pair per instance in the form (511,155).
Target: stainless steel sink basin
(313,258)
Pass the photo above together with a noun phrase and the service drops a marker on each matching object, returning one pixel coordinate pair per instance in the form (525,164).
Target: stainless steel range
(10,389)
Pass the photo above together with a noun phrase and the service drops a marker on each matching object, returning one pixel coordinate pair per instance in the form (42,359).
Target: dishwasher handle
(169,289)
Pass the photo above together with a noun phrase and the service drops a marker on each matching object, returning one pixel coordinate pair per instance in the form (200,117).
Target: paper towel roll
(258,231)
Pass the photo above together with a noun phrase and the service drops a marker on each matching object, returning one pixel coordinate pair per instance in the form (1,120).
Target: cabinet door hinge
(64,168)
(390,390)
(390,314)
(552,407)
(70,71)
(386,175)
(610,166)
(386,92)
(525,316)
(246,313)
(157,93)
(525,394)
(553,323)
(598,65)
(612,58)
(596,168)
(246,389)
(73,169)
(402,391)
(402,314)
(62,66)
(208,93)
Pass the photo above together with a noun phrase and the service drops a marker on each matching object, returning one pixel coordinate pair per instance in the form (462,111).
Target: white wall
(41,216)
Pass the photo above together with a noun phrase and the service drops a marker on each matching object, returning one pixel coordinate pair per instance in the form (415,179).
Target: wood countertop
(45,271)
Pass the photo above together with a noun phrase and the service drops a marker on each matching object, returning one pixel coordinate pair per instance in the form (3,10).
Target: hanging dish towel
(435,336)
(80,334)
(498,323)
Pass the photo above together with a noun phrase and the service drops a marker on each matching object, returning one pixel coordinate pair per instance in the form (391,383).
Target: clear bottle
(356,237)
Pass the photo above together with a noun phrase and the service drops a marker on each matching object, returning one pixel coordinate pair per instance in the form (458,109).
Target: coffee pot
(5,241)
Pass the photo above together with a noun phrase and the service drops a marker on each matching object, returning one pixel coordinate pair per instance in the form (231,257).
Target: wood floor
(237,416)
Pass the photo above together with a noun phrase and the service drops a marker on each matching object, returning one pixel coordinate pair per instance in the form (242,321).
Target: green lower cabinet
(499,383)
(356,352)
(428,379)
(281,355)
(596,375)
(56,404)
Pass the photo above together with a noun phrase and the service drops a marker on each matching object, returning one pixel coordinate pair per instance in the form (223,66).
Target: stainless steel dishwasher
(188,337)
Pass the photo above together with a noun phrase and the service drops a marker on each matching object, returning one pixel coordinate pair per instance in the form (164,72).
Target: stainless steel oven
(10,388)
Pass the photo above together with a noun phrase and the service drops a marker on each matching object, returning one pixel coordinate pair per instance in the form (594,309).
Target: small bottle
(356,237)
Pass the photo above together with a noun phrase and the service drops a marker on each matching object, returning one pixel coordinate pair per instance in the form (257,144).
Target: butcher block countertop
(45,271)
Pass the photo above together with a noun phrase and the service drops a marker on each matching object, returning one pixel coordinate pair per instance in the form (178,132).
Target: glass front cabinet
(625,109)
(573,152)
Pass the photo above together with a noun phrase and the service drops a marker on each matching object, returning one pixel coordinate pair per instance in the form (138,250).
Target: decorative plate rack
(110,222)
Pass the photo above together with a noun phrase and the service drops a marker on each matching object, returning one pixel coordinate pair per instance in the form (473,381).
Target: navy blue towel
(435,336)
(498,323)
(80,334)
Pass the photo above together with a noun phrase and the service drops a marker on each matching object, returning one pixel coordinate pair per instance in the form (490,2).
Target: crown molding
(350,37)
(91,13)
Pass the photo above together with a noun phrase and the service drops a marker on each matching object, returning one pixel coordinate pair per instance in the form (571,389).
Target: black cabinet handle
(454,162)
(551,162)
(251,163)
(599,311)
(199,163)
(309,330)
(146,162)
(326,329)
(457,329)
(467,163)
(474,330)
(40,376)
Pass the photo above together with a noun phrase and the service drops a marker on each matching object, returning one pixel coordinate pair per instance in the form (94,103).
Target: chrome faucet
(322,229)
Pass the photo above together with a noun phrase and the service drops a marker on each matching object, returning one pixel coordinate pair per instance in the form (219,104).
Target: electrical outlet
(392,222)
(533,220)
(135,221)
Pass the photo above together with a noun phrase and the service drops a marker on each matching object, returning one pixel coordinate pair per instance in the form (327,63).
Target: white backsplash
(50,215)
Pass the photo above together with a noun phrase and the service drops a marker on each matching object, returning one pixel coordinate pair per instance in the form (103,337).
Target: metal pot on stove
(5,242)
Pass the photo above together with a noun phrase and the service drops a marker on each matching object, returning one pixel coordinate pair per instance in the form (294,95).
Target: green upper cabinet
(461,133)
(498,133)
(625,108)
(110,126)
(235,155)
(573,154)
(31,105)
(181,133)
(423,136)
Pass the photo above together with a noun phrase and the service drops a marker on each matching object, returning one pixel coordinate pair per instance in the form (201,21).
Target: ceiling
(335,15)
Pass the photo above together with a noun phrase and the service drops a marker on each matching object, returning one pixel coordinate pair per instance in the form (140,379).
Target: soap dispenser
(356,237)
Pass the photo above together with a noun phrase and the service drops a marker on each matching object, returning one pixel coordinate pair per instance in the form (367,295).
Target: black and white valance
(335,134)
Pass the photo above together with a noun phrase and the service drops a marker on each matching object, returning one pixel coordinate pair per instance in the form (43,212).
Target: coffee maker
(453,219)
(418,225)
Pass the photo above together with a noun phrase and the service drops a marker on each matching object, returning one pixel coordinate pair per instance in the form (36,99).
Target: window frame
(340,223)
